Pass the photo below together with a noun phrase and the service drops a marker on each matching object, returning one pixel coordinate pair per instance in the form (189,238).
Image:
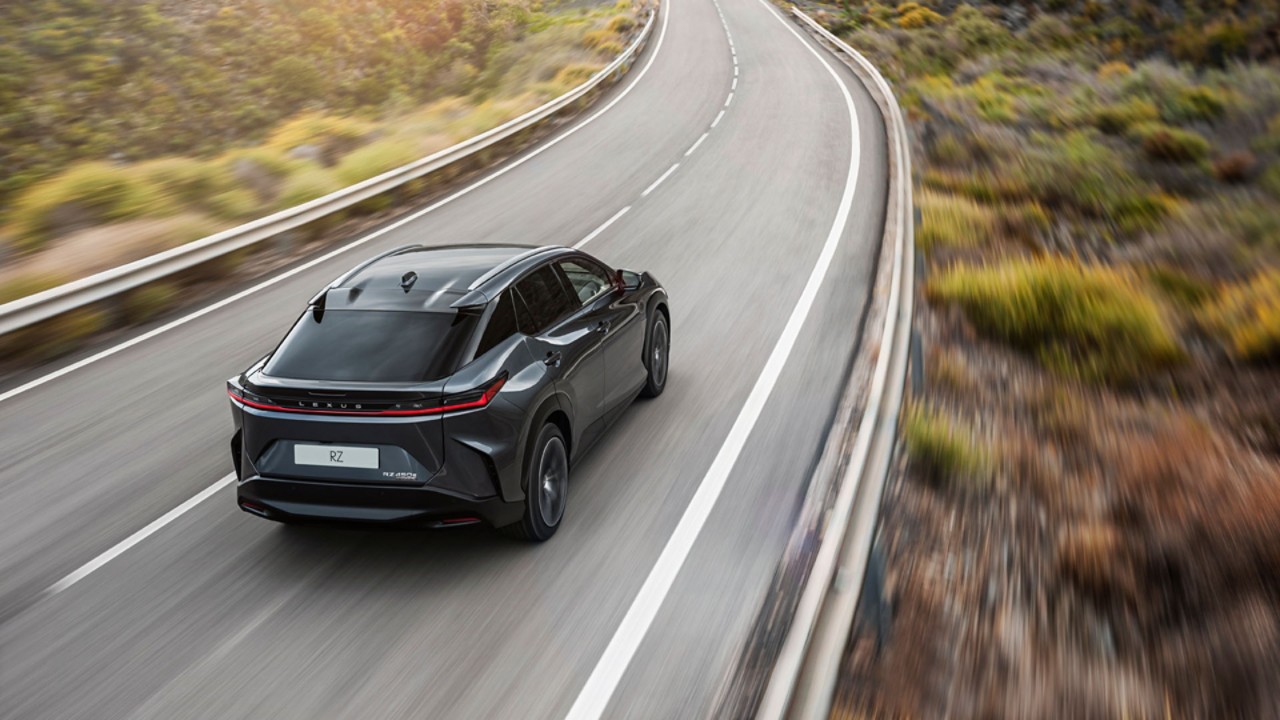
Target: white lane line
(602,228)
(728,100)
(594,697)
(658,182)
(735,69)
(666,16)
(689,152)
(123,546)
(717,120)
(734,86)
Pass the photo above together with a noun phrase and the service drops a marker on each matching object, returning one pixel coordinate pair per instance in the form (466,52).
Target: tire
(546,480)
(657,351)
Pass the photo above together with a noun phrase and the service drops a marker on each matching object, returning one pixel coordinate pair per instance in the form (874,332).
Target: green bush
(374,159)
(1091,322)
(951,221)
(1174,145)
(1118,118)
(977,32)
(87,193)
(945,451)
(1247,317)
(306,185)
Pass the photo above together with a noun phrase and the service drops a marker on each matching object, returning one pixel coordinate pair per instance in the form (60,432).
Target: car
(445,386)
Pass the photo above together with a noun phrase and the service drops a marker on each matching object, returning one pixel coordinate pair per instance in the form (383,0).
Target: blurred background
(1086,520)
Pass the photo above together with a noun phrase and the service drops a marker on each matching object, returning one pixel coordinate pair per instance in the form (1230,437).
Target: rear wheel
(657,351)
(546,487)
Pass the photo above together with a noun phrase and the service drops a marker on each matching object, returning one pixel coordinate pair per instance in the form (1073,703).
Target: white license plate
(338,456)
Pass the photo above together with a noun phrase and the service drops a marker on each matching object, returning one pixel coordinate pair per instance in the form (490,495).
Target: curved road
(765,234)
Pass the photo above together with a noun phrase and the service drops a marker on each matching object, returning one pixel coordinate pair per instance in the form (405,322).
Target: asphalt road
(218,614)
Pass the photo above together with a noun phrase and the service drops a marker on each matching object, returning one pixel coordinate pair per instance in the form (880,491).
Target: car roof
(437,278)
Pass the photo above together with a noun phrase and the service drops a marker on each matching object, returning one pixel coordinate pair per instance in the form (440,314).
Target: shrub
(85,194)
(977,32)
(944,450)
(1092,322)
(1078,170)
(333,135)
(233,204)
(1247,316)
(1168,144)
(1236,167)
(571,76)
(1271,180)
(1115,69)
(374,159)
(951,221)
(1194,104)
(912,16)
(306,185)
(596,39)
(620,24)
(1050,31)
(188,180)
(1118,118)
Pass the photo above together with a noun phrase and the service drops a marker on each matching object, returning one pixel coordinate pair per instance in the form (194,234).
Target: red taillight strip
(483,400)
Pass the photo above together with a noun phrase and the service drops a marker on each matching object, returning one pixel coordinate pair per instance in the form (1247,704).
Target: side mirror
(627,280)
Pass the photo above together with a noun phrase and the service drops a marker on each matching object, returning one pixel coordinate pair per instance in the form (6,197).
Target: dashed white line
(658,182)
(717,120)
(734,86)
(735,69)
(123,546)
(689,152)
(728,100)
(602,228)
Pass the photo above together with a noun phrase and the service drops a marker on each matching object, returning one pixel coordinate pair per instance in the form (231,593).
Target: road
(765,236)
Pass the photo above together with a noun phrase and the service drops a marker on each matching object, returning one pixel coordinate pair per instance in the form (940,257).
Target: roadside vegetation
(131,126)
(1089,517)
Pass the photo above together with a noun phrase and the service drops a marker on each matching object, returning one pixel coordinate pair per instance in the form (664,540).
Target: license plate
(337,456)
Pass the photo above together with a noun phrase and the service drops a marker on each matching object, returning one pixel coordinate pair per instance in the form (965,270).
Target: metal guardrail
(803,681)
(50,303)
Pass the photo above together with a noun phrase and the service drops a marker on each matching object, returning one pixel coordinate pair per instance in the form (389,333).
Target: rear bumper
(339,503)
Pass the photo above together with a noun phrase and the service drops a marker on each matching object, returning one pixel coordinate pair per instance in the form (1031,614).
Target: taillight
(470,400)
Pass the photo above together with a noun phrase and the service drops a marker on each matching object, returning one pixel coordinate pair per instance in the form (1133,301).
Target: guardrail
(55,301)
(805,673)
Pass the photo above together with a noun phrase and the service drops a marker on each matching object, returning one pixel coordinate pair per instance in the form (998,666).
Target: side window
(587,279)
(546,297)
(502,324)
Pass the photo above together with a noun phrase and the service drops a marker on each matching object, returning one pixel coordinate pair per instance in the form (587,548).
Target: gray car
(447,386)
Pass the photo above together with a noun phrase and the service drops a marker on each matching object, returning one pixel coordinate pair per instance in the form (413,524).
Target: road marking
(734,86)
(594,697)
(717,120)
(102,355)
(658,182)
(602,228)
(689,152)
(728,100)
(735,69)
(152,528)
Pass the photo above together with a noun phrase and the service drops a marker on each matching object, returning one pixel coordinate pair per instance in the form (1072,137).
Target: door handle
(602,326)
(553,359)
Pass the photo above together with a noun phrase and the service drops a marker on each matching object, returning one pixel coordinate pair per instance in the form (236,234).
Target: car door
(619,319)
(562,337)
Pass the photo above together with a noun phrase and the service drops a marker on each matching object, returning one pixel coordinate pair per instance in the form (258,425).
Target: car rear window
(372,346)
